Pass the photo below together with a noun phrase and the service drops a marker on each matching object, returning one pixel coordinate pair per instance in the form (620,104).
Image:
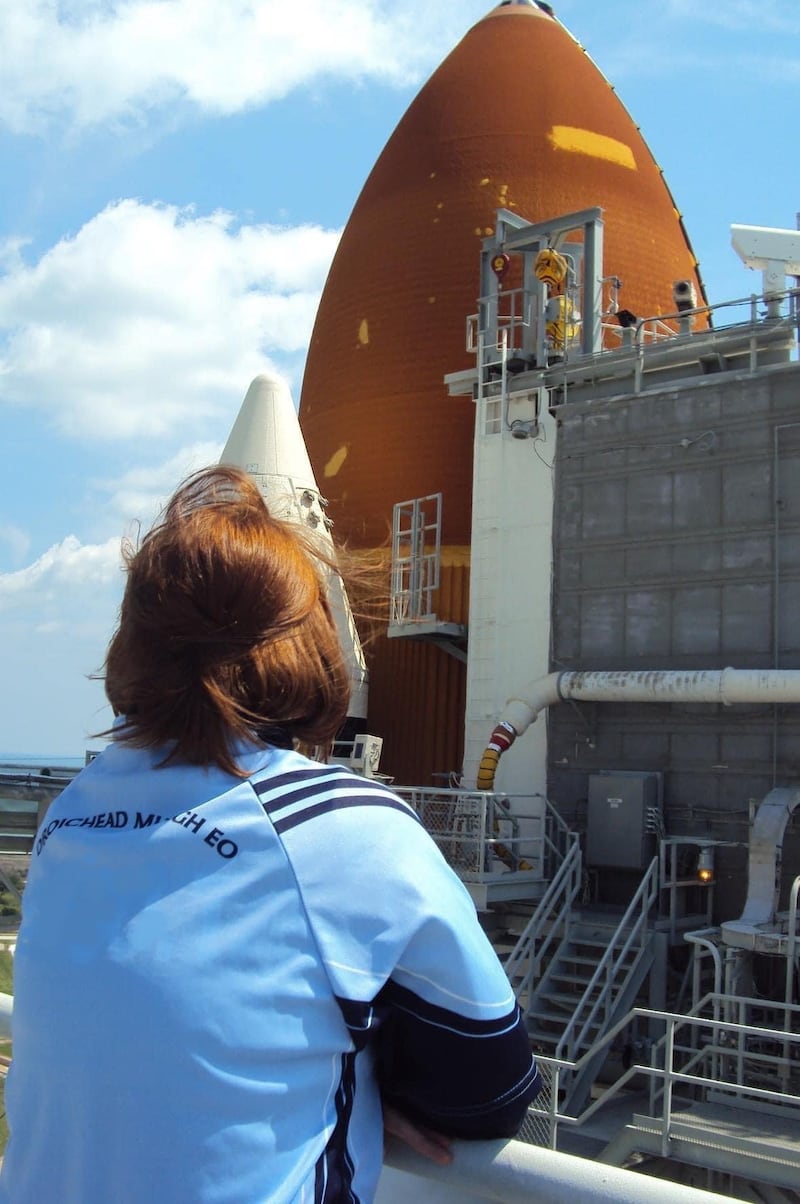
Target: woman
(232,956)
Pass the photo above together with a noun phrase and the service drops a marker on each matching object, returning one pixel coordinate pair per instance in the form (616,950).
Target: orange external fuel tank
(517,117)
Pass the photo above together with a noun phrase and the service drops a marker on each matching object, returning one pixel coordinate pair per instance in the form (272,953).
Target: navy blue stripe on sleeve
(413,1005)
(292,798)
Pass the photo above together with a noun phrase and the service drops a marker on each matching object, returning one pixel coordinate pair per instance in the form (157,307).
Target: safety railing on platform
(752,1045)
(709,944)
(716,1053)
(485,836)
(26,792)
(501,338)
(650,343)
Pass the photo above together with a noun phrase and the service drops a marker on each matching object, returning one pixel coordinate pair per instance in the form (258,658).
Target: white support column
(510,582)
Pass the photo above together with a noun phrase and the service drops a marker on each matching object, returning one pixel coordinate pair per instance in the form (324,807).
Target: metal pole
(791,944)
(669,1054)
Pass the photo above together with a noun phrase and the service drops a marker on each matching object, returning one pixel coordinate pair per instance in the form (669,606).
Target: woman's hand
(422,1140)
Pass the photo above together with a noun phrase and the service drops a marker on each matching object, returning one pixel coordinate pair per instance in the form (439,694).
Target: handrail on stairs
(609,967)
(558,836)
(553,907)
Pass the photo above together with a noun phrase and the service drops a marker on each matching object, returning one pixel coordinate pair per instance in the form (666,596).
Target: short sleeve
(405,953)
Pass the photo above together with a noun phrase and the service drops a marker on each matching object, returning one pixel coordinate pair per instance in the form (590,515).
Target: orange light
(705,867)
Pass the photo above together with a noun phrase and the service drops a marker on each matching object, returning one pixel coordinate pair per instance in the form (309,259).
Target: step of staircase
(581,980)
(587,959)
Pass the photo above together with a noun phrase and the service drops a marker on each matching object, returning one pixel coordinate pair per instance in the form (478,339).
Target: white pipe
(725,686)
(516,1173)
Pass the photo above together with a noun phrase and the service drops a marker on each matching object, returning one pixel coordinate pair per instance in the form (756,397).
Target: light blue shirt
(208,969)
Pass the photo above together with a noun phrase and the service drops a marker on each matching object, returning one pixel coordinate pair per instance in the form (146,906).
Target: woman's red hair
(224,630)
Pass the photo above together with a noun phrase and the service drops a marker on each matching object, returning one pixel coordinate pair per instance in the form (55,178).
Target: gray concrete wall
(677,545)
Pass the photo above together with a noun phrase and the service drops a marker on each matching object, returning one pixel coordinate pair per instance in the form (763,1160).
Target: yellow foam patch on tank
(455,555)
(586,142)
(336,461)
(363,332)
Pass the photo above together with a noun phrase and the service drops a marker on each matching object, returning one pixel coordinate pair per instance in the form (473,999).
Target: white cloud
(66,569)
(138,495)
(151,317)
(90,61)
(57,614)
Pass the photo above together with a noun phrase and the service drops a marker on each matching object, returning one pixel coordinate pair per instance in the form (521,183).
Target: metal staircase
(575,978)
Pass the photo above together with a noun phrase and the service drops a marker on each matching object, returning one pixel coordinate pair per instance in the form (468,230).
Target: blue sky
(175,177)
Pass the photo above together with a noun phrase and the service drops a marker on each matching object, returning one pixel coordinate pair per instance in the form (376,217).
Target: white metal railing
(648,329)
(512,314)
(766,1045)
(416,558)
(548,924)
(776,321)
(706,944)
(651,342)
(783,309)
(791,944)
(741,1062)
(483,836)
(709,942)
(513,1173)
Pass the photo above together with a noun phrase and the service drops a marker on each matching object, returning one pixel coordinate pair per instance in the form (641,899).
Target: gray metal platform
(754,1144)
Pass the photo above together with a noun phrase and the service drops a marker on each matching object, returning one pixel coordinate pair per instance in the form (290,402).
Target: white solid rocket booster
(266,441)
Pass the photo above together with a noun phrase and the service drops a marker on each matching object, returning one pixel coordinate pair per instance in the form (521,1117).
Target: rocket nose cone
(268,380)
(266,439)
